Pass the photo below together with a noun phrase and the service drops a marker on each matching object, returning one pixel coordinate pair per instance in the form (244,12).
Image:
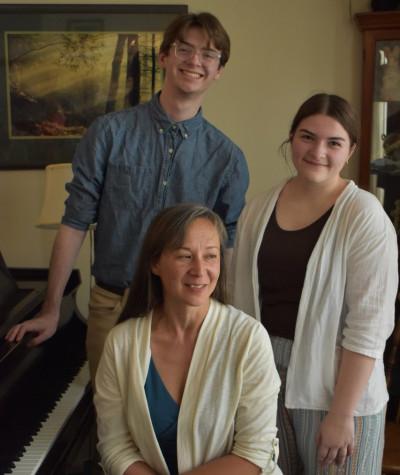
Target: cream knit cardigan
(228,406)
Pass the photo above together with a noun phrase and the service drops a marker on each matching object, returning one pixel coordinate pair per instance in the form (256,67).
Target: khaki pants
(104,310)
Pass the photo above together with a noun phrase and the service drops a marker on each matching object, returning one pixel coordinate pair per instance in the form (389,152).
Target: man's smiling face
(192,75)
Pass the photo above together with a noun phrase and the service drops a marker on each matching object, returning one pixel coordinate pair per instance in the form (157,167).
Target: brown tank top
(282,263)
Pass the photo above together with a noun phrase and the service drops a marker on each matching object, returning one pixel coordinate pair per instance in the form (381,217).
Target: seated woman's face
(190,273)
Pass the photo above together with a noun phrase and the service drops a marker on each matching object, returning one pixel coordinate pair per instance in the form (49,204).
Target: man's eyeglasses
(184,52)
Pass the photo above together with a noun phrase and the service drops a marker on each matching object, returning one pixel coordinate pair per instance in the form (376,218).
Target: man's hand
(335,439)
(43,326)
(65,250)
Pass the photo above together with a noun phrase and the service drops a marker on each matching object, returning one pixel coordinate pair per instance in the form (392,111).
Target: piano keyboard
(36,451)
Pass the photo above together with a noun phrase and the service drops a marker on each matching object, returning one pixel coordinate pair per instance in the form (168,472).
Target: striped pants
(298,428)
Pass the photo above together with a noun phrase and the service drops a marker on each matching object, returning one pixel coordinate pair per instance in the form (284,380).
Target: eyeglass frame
(198,51)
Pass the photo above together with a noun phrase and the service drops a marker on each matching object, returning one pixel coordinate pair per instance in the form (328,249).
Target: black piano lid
(32,285)
(8,284)
(17,298)
(32,379)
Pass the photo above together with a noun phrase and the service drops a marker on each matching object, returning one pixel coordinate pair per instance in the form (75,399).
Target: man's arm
(65,251)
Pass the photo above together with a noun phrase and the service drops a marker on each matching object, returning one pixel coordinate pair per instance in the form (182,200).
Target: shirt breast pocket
(128,185)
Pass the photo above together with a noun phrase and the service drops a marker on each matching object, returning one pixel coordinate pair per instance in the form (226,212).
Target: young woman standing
(315,261)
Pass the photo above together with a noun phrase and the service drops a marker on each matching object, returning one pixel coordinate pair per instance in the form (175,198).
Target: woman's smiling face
(190,273)
(320,148)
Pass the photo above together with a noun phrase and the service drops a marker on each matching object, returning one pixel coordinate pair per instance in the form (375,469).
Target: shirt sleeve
(116,446)
(231,198)
(255,425)
(371,282)
(88,165)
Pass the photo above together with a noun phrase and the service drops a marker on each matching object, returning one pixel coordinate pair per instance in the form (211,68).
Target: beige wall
(282,52)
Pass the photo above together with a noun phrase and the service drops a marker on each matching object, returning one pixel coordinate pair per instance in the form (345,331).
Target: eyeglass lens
(184,51)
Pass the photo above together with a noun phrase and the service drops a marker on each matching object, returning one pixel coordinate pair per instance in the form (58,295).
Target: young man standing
(133,163)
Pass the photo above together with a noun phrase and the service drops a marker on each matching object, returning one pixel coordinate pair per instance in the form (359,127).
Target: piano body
(46,412)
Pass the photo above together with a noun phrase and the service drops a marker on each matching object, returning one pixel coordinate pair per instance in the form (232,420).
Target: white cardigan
(347,300)
(228,406)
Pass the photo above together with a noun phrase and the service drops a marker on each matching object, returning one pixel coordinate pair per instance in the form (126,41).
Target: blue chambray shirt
(135,162)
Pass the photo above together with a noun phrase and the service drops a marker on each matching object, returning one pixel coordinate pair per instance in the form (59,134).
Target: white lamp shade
(56,176)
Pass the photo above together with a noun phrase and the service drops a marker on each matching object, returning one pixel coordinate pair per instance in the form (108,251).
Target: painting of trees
(58,82)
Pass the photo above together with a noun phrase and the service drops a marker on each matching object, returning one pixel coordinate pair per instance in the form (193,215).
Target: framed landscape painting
(61,66)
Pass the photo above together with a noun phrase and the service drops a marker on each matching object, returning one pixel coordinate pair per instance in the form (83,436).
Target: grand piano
(46,412)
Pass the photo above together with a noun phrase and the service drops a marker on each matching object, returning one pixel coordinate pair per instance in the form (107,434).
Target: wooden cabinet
(380,167)
(380,112)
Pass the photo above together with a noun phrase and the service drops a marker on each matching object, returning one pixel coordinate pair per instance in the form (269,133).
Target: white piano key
(42,442)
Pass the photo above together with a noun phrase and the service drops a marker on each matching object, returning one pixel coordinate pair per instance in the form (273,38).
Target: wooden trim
(378,20)
(26,8)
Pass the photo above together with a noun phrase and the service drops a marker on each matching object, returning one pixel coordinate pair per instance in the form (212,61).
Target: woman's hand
(335,439)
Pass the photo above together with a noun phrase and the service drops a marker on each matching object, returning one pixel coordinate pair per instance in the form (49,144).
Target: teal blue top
(164,411)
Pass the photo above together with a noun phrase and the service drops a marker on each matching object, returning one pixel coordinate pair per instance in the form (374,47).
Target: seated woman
(186,384)
(316,261)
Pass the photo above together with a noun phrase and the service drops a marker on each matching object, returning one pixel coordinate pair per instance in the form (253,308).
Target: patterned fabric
(298,428)
(289,460)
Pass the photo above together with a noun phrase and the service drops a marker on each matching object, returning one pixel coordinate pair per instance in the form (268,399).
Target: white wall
(282,52)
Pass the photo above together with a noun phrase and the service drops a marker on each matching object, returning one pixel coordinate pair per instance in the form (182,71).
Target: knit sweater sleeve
(116,445)
(255,422)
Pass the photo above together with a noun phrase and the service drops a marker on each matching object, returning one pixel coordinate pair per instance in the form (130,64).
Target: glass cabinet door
(380,116)
(385,137)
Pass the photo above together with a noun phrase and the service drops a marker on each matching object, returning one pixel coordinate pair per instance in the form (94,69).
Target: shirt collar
(164,123)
